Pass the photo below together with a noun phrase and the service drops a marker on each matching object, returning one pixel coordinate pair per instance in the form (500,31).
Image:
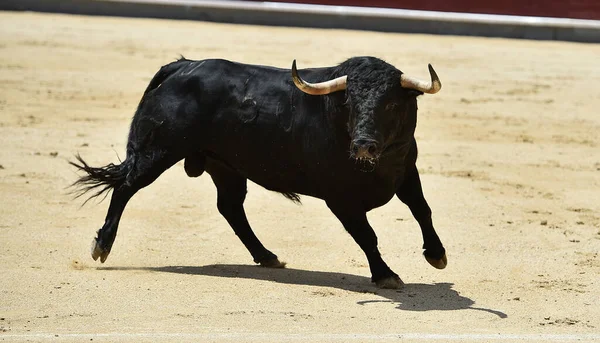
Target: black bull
(349,141)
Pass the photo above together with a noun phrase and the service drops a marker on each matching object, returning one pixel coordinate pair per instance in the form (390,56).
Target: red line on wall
(576,9)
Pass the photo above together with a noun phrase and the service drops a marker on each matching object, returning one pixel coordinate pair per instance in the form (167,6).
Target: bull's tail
(100,180)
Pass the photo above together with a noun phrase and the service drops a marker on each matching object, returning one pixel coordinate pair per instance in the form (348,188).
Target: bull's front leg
(355,222)
(411,193)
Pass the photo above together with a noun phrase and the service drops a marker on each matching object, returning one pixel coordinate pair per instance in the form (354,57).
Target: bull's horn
(426,87)
(320,88)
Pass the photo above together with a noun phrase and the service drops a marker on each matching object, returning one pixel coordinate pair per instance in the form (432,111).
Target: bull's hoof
(97,251)
(390,282)
(438,263)
(272,263)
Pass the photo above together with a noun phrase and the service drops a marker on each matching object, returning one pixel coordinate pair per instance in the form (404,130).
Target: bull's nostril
(372,150)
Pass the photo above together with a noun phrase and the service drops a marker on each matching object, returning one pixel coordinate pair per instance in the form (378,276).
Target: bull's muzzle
(365,149)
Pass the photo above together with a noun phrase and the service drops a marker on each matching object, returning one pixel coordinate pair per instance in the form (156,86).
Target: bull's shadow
(413,297)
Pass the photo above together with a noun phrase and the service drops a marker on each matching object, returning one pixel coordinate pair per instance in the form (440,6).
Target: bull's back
(250,118)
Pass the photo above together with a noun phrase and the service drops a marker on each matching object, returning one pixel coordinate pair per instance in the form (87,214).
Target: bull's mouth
(367,160)
(365,163)
(366,157)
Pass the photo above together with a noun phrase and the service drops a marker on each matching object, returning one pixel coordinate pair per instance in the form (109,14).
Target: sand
(509,160)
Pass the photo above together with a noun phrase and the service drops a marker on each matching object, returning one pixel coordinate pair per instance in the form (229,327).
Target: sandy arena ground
(510,162)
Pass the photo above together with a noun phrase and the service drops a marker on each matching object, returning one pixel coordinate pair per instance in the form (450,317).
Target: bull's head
(381,100)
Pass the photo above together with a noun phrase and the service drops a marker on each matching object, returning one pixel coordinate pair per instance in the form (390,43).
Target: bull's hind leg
(102,244)
(411,193)
(231,193)
(142,170)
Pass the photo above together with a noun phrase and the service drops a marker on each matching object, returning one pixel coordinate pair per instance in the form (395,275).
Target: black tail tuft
(101,180)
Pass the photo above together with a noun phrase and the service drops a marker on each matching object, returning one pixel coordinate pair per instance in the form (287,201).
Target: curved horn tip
(435,80)
(295,77)
(432,72)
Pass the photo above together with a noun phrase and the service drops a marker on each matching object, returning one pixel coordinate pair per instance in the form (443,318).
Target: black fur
(240,122)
